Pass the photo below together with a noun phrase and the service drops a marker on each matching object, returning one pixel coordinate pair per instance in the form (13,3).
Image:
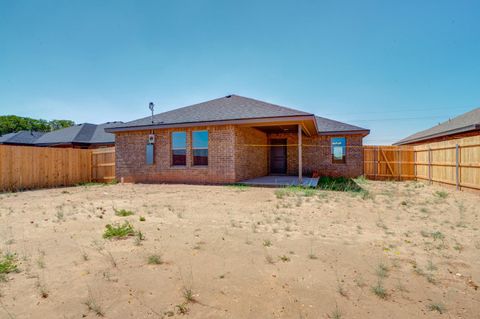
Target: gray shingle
(85,133)
(21,137)
(463,123)
(329,126)
(231,107)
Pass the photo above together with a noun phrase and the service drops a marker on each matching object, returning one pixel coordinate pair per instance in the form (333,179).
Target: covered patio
(281,181)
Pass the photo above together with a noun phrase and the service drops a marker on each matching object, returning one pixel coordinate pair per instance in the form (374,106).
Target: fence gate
(103,165)
(389,162)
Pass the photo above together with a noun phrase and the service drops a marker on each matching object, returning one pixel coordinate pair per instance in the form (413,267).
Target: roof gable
(85,133)
(21,137)
(329,126)
(463,123)
(230,107)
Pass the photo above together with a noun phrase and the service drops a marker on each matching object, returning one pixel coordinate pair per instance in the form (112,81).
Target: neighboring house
(25,138)
(84,135)
(232,139)
(465,125)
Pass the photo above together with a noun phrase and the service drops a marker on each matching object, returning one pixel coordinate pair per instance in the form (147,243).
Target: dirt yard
(397,250)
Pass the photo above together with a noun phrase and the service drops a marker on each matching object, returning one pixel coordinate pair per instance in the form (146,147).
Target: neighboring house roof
(85,133)
(21,137)
(466,122)
(231,108)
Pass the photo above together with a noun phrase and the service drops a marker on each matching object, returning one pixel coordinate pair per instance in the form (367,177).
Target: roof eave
(464,129)
(349,132)
(211,123)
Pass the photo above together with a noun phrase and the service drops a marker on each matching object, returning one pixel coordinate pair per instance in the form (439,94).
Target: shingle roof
(21,137)
(234,107)
(85,133)
(230,107)
(325,125)
(466,122)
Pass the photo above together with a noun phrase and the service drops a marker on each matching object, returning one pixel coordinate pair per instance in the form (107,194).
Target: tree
(13,123)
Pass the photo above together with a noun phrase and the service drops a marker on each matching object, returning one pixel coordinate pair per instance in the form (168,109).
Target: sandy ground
(242,253)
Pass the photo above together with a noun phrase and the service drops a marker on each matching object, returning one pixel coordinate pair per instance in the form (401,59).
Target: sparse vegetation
(123,212)
(379,290)
(155,259)
(119,230)
(437,306)
(8,263)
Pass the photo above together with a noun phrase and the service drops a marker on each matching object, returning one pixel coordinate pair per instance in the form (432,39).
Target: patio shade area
(281,181)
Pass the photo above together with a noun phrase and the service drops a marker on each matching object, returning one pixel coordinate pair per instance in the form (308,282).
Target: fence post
(457,151)
(399,164)
(430,165)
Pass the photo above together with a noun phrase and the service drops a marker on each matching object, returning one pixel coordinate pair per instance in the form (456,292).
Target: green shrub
(119,231)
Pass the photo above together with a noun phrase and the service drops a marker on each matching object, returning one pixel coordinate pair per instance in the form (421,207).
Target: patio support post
(299,154)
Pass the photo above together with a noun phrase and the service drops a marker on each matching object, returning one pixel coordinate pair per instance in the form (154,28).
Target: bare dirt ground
(402,250)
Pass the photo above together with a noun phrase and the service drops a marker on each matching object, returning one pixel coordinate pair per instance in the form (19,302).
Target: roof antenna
(151,106)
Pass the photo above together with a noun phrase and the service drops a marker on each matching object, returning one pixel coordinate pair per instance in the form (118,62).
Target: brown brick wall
(232,156)
(251,153)
(317,155)
(130,157)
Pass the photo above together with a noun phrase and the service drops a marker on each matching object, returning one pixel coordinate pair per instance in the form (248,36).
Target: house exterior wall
(251,153)
(317,155)
(131,157)
(446,138)
(235,153)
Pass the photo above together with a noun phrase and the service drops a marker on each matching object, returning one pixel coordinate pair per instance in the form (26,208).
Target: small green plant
(437,306)
(441,194)
(155,260)
(438,235)
(94,306)
(188,295)
(8,263)
(182,308)
(379,290)
(382,271)
(267,243)
(142,219)
(336,314)
(284,258)
(119,231)
(123,212)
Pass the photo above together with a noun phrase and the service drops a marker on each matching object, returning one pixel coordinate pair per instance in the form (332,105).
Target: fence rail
(454,162)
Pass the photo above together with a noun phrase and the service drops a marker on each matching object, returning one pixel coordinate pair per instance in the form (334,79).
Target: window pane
(338,150)
(179,140)
(179,157)
(200,139)
(200,157)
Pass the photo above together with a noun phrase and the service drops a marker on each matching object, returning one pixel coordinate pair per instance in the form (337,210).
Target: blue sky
(395,67)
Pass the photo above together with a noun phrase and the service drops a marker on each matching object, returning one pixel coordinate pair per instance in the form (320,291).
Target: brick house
(233,139)
(464,125)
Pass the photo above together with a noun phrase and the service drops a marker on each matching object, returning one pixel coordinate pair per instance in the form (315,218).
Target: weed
(441,194)
(123,212)
(188,295)
(182,308)
(142,219)
(85,256)
(93,305)
(8,263)
(379,290)
(336,314)
(118,231)
(438,235)
(284,258)
(437,306)
(267,243)
(42,289)
(382,271)
(155,260)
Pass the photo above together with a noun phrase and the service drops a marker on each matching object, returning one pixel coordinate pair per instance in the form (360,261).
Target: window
(200,147)
(338,150)
(179,148)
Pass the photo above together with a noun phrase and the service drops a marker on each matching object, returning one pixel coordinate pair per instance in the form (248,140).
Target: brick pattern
(232,156)
(317,155)
(131,153)
(251,153)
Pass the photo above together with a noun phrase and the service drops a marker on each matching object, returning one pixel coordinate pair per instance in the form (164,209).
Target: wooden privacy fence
(388,162)
(27,167)
(103,164)
(454,162)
